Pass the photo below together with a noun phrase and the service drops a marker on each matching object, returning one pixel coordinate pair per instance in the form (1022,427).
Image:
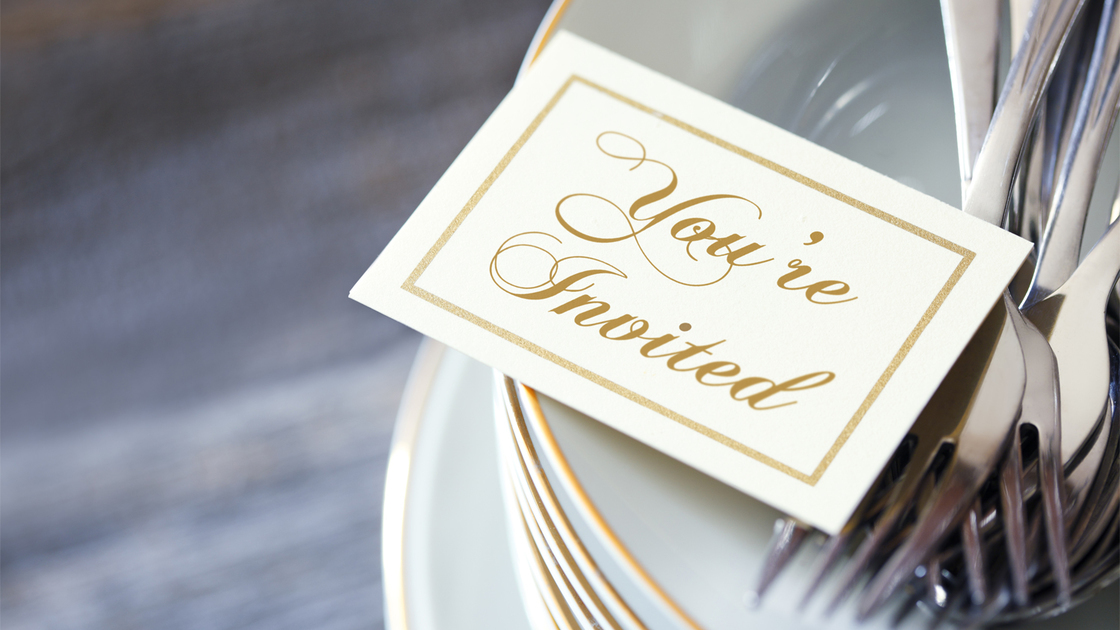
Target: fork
(1086,439)
(1046,147)
(979,443)
(972,39)
(1083,149)
(1048,23)
(985,435)
(1059,247)
(1073,321)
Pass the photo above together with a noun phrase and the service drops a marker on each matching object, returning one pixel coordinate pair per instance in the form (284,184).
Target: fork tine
(833,551)
(974,554)
(953,604)
(788,535)
(1014,520)
(1108,500)
(1105,548)
(1042,410)
(1103,497)
(834,545)
(1050,481)
(907,607)
(910,488)
(933,585)
(936,522)
(984,615)
(944,418)
(992,412)
(938,421)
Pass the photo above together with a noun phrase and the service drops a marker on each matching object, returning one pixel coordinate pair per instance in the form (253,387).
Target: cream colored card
(722,290)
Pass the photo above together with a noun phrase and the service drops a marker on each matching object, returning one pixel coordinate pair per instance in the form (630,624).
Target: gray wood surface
(194,418)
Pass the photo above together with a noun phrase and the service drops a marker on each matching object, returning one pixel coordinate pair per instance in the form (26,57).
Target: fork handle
(972,43)
(1046,33)
(1060,246)
(1100,270)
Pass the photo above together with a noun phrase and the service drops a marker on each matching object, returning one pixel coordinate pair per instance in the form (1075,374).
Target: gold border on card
(966,255)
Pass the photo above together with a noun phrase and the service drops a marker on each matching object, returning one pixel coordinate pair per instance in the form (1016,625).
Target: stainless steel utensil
(981,441)
(1072,318)
(1060,246)
(972,37)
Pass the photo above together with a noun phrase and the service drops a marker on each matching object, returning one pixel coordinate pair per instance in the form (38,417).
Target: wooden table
(194,416)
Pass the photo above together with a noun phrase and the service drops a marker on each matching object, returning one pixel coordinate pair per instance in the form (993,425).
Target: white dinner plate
(446,549)
(445,552)
(680,548)
(699,542)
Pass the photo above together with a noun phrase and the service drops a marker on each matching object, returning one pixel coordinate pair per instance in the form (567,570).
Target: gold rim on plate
(398,475)
(520,401)
(422,376)
(589,593)
(523,410)
(540,595)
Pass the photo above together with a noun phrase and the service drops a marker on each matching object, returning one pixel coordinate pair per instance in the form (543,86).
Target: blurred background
(194,419)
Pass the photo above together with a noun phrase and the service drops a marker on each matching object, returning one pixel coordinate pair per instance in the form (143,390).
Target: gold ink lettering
(655,343)
(637,327)
(569,215)
(674,358)
(792,385)
(525,267)
(716,368)
(689,352)
(549,286)
(751,381)
(733,255)
(584,300)
(827,287)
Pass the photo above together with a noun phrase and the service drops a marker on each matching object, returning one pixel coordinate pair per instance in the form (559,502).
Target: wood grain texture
(195,418)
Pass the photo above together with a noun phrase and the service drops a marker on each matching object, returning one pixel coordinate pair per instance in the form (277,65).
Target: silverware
(1050,135)
(1072,318)
(999,382)
(1101,564)
(1019,368)
(972,37)
(972,44)
(1085,442)
(788,535)
(1104,495)
(1059,248)
(1047,31)
(986,433)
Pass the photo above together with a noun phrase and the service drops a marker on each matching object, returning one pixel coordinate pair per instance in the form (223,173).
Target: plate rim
(398,475)
(421,378)
(524,399)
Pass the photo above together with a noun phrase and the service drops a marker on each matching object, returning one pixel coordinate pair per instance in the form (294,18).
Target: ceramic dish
(540,595)
(698,542)
(586,586)
(447,548)
(445,552)
(683,546)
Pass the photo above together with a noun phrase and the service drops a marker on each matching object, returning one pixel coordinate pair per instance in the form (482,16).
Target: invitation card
(739,298)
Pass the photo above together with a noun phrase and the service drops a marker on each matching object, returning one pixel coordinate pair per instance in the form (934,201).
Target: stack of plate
(609,533)
(506,509)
